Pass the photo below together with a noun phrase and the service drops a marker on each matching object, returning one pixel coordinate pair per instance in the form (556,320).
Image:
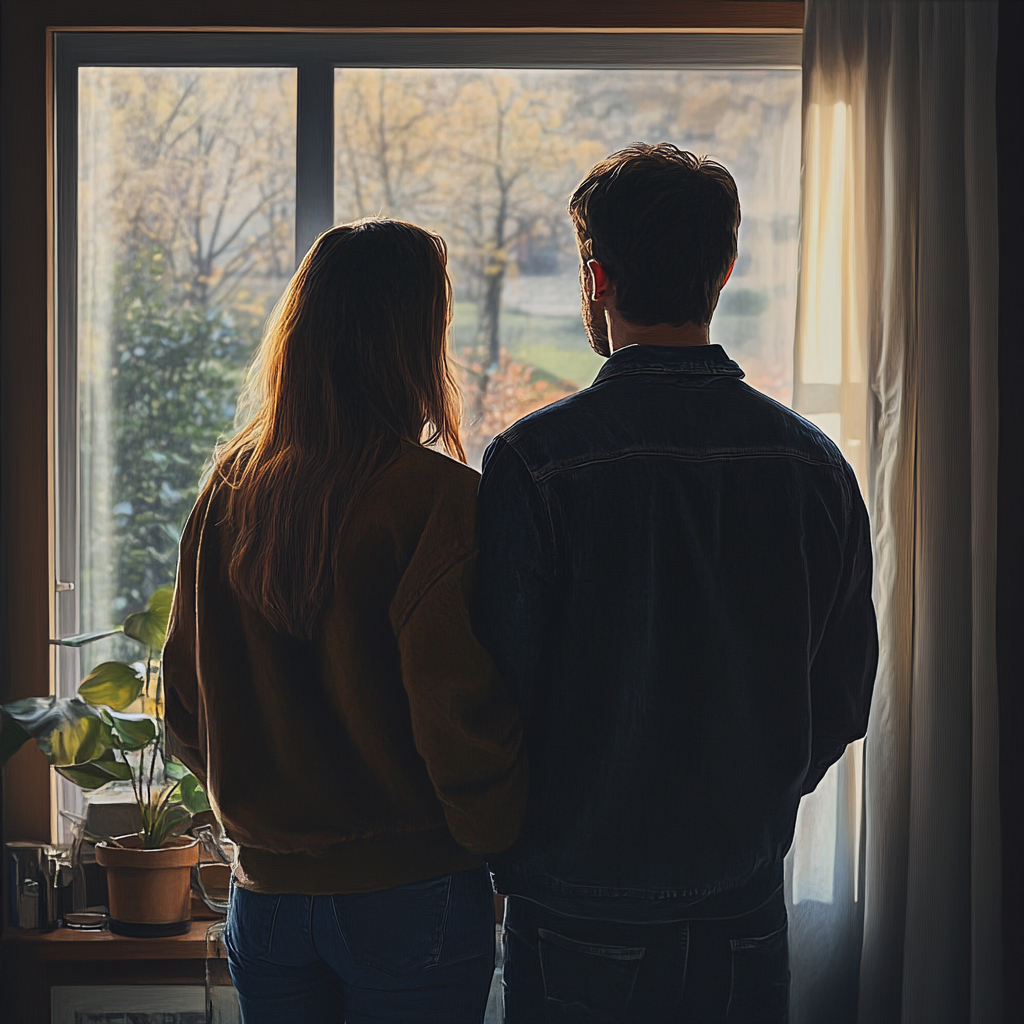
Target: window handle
(63,585)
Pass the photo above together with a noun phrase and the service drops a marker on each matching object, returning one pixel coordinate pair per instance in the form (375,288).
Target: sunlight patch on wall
(815,842)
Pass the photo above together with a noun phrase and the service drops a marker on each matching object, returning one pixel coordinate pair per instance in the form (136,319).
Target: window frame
(315,55)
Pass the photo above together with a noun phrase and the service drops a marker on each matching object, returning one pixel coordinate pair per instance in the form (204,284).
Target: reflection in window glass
(488,160)
(186,210)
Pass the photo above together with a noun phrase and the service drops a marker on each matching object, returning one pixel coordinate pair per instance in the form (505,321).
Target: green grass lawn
(556,345)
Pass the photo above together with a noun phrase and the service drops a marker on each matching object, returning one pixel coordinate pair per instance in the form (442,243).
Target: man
(677,584)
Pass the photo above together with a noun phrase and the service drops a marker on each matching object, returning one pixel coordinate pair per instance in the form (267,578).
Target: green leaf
(150,627)
(175,770)
(133,732)
(81,639)
(112,684)
(193,796)
(96,773)
(12,737)
(168,820)
(67,731)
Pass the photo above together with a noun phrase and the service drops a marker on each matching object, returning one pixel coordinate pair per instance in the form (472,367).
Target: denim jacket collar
(696,359)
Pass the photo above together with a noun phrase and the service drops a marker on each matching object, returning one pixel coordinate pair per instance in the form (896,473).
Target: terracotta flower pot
(149,890)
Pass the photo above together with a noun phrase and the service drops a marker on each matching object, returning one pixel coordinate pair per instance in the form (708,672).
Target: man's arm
(843,670)
(515,607)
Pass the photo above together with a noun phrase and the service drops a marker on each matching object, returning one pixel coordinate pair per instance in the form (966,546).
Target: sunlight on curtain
(830,371)
(823,877)
(893,879)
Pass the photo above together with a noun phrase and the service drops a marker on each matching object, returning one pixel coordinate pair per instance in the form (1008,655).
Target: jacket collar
(696,359)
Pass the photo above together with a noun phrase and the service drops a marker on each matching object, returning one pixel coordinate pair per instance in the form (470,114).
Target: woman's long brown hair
(353,362)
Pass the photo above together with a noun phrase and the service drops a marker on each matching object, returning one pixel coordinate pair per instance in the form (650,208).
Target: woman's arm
(181,681)
(465,724)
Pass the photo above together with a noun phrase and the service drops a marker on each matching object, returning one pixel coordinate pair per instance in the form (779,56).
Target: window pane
(488,160)
(186,210)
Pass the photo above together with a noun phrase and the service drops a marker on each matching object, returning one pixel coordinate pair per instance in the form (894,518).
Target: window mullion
(314,157)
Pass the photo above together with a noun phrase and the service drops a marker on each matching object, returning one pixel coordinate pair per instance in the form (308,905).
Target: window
(488,159)
(194,169)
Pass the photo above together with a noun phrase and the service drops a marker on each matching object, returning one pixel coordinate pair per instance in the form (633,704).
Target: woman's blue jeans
(422,952)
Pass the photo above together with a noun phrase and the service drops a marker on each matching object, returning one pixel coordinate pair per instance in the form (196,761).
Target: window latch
(63,585)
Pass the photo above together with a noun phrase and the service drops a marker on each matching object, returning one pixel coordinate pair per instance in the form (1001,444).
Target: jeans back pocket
(250,923)
(759,993)
(398,931)
(584,981)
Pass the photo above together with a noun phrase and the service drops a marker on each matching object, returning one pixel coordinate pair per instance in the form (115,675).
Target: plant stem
(156,741)
(152,765)
(131,775)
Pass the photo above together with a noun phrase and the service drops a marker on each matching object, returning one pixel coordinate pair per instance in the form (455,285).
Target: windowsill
(72,944)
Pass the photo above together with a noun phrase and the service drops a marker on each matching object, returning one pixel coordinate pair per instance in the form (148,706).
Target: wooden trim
(445,15)
(51,387)
(439,29)
(24,413)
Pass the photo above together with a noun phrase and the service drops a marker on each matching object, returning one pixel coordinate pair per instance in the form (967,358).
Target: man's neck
(622,333)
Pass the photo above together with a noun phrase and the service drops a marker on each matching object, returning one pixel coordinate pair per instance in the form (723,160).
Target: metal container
(38,885)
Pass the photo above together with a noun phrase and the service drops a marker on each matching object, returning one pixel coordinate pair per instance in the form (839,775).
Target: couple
(607,670)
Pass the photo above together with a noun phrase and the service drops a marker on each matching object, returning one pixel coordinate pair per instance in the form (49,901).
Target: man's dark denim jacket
(676,582)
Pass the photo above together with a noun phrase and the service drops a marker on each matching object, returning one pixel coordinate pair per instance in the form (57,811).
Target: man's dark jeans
(569,969)
(421,953)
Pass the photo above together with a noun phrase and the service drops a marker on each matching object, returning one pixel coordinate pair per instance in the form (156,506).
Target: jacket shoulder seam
(565,467)
(537,479)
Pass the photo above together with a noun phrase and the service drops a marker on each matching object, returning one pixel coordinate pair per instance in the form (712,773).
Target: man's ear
(598,280)
(728,273)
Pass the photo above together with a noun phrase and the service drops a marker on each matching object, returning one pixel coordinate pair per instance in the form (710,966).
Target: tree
(516,156)
(194,211)
(389,126)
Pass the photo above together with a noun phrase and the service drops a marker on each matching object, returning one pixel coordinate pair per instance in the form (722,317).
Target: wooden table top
(76,944)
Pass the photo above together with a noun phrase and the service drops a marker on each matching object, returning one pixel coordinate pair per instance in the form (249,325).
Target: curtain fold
(896,359)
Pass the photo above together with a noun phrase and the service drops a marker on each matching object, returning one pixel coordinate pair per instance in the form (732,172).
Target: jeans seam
(732,978)
(444,924)
(686,958)
(273,925)
(341,931)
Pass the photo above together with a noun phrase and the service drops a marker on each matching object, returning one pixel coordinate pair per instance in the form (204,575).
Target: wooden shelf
(72,944)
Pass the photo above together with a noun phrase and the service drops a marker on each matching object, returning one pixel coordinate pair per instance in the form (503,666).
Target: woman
(322,675)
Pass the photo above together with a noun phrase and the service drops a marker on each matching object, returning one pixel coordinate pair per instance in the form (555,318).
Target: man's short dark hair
(662,222)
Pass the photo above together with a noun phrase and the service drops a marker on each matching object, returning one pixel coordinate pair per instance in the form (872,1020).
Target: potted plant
(92,739)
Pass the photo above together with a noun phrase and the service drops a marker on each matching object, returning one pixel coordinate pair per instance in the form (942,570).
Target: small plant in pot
(93,740)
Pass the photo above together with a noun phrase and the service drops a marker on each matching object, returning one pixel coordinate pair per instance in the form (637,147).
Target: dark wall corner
(1010,557)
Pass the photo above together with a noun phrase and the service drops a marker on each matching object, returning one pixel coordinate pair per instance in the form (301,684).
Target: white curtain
(894,879)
